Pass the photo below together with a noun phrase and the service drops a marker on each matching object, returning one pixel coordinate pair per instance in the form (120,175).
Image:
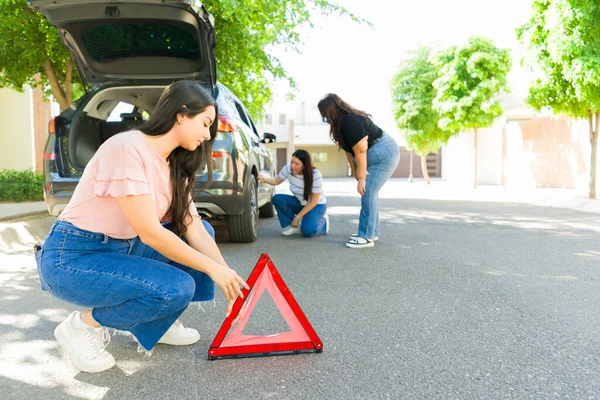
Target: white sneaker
(291,230)
(178,335)
(354,236)
(326,224)
(359,243)
(85,347)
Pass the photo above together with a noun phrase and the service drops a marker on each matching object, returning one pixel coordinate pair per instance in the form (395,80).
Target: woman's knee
(277,199)
(308,231)
(182,292)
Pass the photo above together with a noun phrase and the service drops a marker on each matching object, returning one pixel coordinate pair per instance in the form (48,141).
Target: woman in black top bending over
(372,154)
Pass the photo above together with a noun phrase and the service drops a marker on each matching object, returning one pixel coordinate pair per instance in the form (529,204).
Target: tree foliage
(412,96)
(32,53)
(471,78)
(563,42)
(247,30)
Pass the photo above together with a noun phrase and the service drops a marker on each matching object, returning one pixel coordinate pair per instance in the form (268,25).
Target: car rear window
(113,41)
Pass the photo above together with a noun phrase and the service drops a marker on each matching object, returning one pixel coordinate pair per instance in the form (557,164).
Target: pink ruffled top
(125,165)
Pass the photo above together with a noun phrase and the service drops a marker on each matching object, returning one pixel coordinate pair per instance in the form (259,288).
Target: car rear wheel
(243,228)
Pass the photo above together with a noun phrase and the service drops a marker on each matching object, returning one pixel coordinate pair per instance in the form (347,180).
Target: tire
(267,211)
(243,228)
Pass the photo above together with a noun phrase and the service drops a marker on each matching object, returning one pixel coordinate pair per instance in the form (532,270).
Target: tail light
(226,125)
(51,131)
(52,126)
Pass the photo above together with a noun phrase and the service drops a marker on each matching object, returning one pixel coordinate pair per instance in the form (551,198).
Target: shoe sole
(191,340)
(376,238)
(60,336)
(360,246)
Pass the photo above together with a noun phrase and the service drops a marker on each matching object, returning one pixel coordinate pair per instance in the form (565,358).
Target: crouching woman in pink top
(130,246)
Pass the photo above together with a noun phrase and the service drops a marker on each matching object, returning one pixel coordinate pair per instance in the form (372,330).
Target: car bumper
(219,206)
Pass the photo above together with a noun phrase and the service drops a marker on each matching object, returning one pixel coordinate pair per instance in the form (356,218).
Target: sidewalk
(19,210)
(402,189)
(440,190)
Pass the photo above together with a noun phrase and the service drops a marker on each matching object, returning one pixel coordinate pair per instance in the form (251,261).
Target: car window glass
(121,108)
(248,121)
(226,105)
(109,42)
(242,113)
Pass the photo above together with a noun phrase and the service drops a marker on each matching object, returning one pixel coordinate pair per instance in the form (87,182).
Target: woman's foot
(178,335)
(326,224)
(354,236)
(84,344)
(291,230)
(359,243)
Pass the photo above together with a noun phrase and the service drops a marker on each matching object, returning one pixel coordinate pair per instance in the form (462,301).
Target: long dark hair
(333,108)
(186,98)
(304,157)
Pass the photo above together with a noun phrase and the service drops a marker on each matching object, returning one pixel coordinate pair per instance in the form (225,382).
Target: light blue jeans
(382,160)
(313,223)
(130,286)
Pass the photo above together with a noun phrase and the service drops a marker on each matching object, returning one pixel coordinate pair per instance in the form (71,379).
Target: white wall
(458,164)
(16,131)
(489,157)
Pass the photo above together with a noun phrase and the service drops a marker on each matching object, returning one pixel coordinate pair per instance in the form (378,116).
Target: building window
(281,119)
(268,119)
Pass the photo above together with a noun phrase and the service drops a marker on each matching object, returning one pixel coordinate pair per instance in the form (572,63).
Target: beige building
(523,150)
(24,128)
(298,125)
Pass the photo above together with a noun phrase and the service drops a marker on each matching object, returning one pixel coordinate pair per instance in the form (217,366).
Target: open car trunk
(135,40)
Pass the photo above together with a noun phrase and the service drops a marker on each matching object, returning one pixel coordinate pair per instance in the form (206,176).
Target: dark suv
(126,53)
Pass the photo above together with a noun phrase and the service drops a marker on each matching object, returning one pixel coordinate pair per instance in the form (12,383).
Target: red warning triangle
(301,337)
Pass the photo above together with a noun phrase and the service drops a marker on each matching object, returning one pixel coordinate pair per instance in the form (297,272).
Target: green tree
(563,41)
(471,78)
(31,51)
(412,97)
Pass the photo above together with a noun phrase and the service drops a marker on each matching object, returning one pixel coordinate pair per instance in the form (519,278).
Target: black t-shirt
(354,127)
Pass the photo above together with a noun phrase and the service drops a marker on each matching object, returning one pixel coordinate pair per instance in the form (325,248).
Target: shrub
(16,186)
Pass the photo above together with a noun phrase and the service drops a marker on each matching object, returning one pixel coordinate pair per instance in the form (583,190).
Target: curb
(22,215)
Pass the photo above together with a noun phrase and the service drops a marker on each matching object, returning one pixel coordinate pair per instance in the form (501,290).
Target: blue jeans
(382,160)
(313,223)
(129,285)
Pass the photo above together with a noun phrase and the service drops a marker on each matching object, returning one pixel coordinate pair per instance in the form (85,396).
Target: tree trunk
(475,158)
(594,153)
(57,90)
(410,174)
(424,167)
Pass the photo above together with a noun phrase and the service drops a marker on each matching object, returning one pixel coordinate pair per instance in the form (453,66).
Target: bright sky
(357,62)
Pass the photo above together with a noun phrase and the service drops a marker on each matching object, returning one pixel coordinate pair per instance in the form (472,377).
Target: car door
(261,155)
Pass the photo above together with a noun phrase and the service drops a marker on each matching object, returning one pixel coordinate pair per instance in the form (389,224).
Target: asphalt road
(457,300)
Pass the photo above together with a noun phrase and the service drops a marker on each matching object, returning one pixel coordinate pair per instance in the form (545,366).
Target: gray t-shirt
(297,184)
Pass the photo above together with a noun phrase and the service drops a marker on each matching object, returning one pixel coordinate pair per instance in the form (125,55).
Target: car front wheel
(243,228)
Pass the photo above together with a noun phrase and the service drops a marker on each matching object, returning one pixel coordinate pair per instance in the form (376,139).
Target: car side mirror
(269,138)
